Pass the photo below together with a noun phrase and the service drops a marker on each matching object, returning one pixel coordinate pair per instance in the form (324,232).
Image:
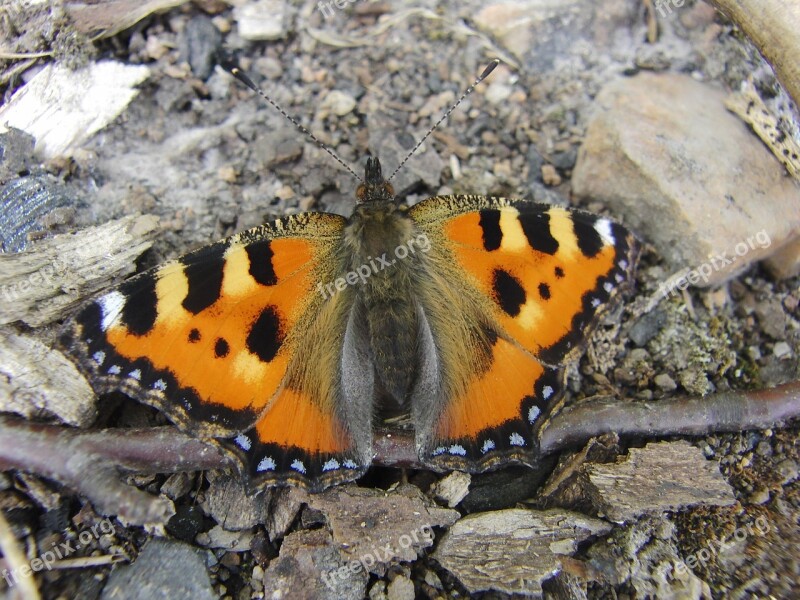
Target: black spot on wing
(536,227)
(194,335)
(266,335)
(141,305)
(589,241)
(508,292)
(544,291)
(260,256)
(221,348)
(490,225)
(204,272)
(559,272)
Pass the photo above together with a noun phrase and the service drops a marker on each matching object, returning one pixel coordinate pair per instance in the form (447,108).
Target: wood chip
(309,566)
(286,503)
(36,382)
(659,477)
(108,18)
(63,108)
(453,488)
(38,286)
(378,527)
(228,502)
(513,551)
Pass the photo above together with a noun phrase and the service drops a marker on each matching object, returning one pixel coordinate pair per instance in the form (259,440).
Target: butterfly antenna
(489,68)
(239,74)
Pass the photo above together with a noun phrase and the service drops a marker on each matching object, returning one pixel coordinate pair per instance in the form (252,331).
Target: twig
(724,411)
(89,462)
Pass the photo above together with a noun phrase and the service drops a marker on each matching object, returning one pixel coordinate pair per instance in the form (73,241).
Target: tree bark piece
(40,285)
(36,382)
(376,527)
(657,478)
(513,551)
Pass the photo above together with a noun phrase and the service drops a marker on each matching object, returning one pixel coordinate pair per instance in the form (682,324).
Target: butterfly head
(375,188)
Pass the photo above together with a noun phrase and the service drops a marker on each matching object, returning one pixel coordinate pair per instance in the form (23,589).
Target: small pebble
(754,352)
(764,448)
(788,470)
(550,176)
(337,103)
(497,93)
(227,174)
(665,382)
(759,496)
(782,350)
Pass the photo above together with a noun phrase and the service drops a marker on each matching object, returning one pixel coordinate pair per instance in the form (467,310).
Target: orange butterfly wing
(218,339)
(516,287)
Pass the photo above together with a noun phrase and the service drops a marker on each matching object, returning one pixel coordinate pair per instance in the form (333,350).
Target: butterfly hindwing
(219,341)
(511,292)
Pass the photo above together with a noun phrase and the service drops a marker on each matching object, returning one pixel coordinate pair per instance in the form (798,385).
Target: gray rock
(199,45)
(689,177)
(647,327)
(163,569)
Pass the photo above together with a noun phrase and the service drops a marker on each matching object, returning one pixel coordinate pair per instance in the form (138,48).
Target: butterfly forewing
(217,341)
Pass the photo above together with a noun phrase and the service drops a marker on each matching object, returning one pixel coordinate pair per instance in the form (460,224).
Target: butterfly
(454,317)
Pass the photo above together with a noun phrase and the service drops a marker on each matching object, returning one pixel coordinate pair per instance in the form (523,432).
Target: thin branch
(90,462)
(724,411)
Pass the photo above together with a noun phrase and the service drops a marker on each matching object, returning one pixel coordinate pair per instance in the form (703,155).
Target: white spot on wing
(439,450)
(350,464)
(110,305)
(99,357)
(114,370)
(135,374)
(298,465)
(547,391)
(533,414)
(595,302)
(266,464)
(516,439)
(608,287)
(243,441)
(623,264)
(487,445)
(160,385)
(457,449)
(603,227)
(330,465)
